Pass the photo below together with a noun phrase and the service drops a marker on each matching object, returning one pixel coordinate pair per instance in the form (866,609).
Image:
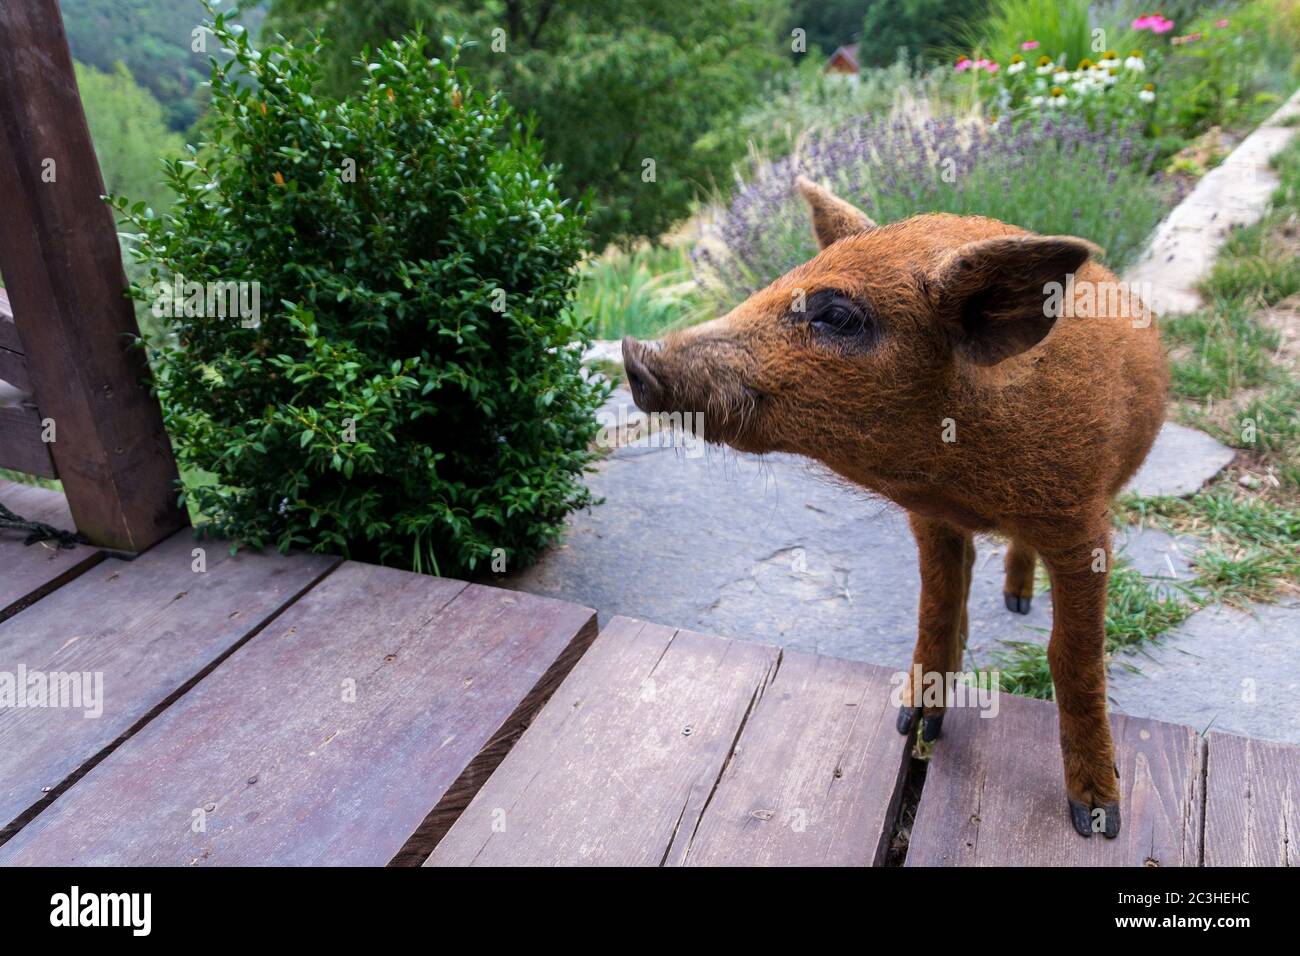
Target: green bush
(410,395)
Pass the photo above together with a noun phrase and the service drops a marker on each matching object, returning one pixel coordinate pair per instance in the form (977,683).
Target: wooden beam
(63,271)
(21,447)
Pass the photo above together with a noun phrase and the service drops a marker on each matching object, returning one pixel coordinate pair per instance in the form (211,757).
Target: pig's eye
(839,316)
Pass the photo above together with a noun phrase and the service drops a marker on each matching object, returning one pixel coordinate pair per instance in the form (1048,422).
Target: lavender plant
(1055,175)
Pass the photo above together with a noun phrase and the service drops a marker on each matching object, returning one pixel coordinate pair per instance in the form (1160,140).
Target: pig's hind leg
(1018,592)
(1077,656)
(947,555)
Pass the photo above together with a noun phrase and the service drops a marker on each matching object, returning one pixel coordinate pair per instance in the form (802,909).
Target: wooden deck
(299,709)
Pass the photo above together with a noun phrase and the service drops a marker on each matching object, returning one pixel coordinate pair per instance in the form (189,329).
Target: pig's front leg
(1077,657)
(947,554)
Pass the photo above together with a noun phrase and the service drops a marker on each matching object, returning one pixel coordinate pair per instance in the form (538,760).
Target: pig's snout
(647,389)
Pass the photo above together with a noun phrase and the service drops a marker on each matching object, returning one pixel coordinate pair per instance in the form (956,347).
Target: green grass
(1224,348)
(1138,610)
(642,293)
(1061,26)
(1251,544)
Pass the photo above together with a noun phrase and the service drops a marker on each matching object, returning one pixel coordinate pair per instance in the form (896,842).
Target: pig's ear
(997,295)
(832,217)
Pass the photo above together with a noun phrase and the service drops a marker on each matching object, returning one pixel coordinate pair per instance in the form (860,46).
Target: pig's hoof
(1017,604)
(931,727)
(1088,820)
(907,719)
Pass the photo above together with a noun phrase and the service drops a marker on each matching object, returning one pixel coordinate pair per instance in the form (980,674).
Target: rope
(39,531)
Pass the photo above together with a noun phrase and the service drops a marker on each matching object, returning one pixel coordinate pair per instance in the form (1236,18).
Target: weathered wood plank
(21,447)
(28,572)
(13,368)
(817,773)
(994,794)
(1252,802)
(670,747)
(347,732)
(63,273)
(142,630)
(9,339)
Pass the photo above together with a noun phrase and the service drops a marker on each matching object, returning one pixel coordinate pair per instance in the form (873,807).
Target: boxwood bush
(409,393)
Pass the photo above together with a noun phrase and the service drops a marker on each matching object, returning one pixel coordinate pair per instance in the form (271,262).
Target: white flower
(1015,68)
(1045,69)
(1110,78)
(1037,100)
(1135,63)
(1108,64)
(1147,96)
(1061,77)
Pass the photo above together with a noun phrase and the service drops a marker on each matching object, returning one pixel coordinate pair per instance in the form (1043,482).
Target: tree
(827,24)
(130,134)
(921,26)
(623,94)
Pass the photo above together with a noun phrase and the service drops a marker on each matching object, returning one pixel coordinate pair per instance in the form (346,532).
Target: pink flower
(963,65)
(1033,44)
(1220,23)
(991,67)
(1153,22)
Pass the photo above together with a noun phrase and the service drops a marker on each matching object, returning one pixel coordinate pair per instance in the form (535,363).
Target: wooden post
(61,265)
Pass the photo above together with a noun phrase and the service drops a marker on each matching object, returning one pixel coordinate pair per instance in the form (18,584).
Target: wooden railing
(68,340)
(21,446)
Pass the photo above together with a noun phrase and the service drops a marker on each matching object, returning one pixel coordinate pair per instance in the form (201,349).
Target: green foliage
(1217,66)
(153,38)
(130,134)
(384,408)
(623,94)
(827,24)
(924,28)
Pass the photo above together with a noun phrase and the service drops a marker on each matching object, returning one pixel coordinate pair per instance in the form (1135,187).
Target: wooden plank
(13,369)
(13,361)
(21,447)
(1252,802)
(142,630)
(817,773)
(8,331)
(994,794)
(28,572)
(348,732)
(670,747)
(63,273)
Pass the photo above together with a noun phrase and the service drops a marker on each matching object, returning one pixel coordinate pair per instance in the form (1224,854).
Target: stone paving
(1234,193)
